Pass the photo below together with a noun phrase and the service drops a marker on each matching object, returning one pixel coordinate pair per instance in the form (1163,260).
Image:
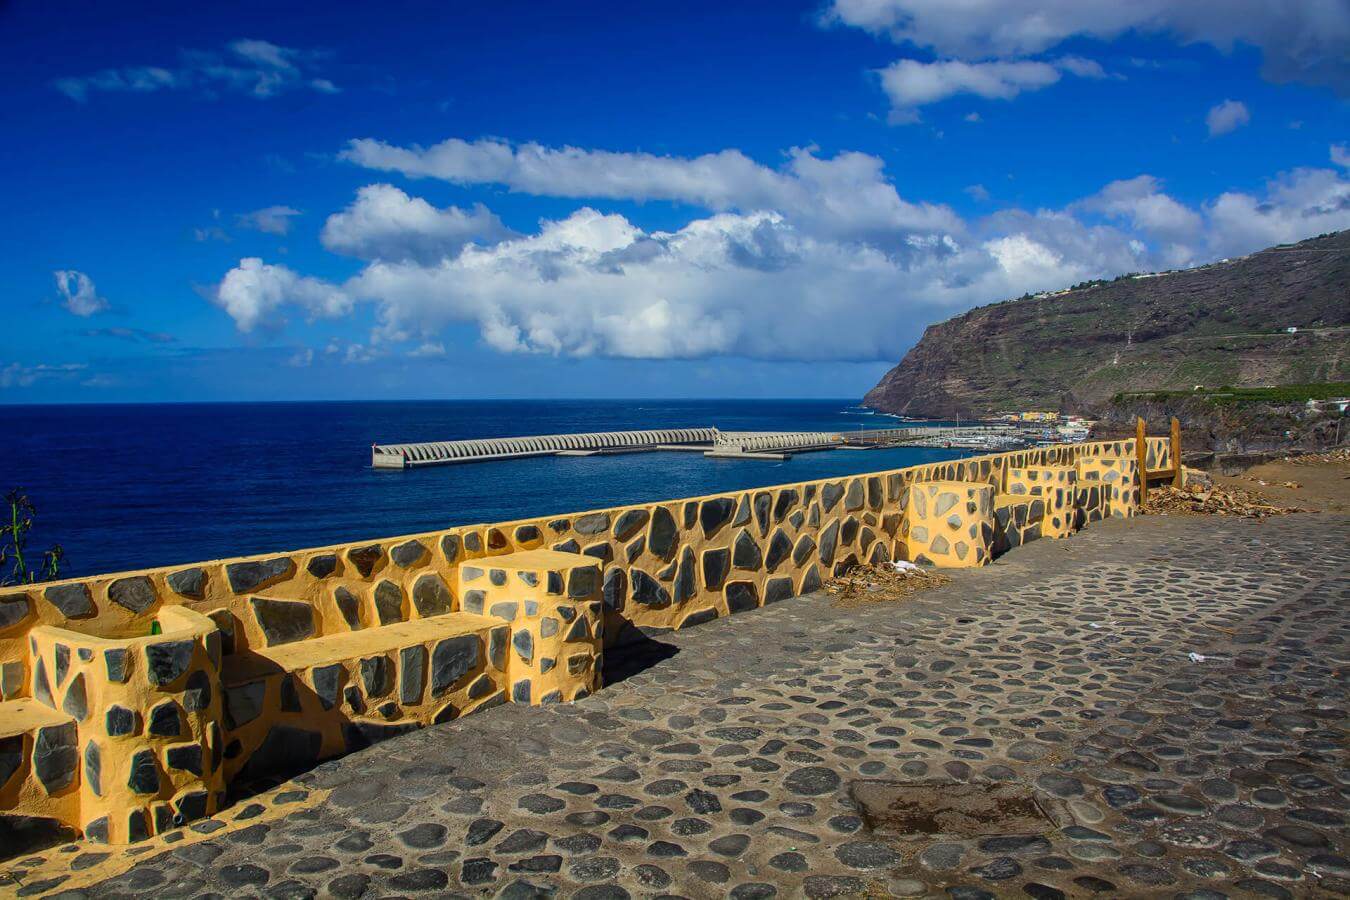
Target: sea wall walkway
(731,762)
(166,690)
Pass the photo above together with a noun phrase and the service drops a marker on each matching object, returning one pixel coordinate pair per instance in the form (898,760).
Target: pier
(711,442)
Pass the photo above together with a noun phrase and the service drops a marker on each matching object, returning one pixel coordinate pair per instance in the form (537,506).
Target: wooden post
(1178,477)
(1141,455)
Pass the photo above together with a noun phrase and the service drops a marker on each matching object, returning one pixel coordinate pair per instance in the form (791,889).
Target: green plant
(14,542)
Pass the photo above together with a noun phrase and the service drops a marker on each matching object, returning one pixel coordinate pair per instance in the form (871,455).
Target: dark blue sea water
(134,486)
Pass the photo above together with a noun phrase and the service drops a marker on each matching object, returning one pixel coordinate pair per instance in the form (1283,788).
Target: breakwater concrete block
(949,524)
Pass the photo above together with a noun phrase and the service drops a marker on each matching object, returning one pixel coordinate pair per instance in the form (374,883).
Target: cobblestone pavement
(728,763)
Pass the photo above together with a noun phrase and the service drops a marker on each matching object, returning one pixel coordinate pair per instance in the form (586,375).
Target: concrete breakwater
(265,665)
(711,442)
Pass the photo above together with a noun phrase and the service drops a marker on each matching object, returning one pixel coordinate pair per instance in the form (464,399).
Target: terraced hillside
(1221,324)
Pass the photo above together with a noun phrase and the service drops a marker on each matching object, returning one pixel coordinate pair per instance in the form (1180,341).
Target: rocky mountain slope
(1221,324)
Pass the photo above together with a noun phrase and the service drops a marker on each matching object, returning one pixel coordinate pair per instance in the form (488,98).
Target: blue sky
(252,201)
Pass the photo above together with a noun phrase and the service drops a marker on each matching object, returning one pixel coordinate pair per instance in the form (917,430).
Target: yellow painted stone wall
(301,634)
(146,714)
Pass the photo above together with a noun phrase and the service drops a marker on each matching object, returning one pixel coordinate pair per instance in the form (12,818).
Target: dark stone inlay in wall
(762,501)
(365,558)
(780,545)
(777,589)
(616,587)
(716,566)
(647,590)
(323,565)
(377,675)
(62,659)
(685,584)
(583,581)
(72,600)
(188,582)
(629,522)
(42,689)
(243,703)
(742,596)
(451,660)
(715,513)
(497,640)
(662,534)
(327,683)
(166,661)
(93,768)
(408,554)
(115,658)
(76,702)
(592,523)
(431,596)
(450,547)
(388,602)
(165,720)
(14,608)
(120,721)
(283,621)
(55,756)
(413,674)
(185,758)
(523,641)
(249,576)
(349,606)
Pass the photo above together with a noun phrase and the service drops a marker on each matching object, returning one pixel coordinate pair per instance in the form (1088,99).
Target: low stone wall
(298,686)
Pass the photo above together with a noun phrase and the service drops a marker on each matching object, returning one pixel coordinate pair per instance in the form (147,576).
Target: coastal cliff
(1221,324)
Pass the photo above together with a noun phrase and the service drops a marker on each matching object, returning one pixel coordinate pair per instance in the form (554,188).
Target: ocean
(135,486)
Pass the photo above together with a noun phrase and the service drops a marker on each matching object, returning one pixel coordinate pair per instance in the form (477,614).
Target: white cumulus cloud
(383,222)
(911,84)
(1227,116)
(252,292)
(846,195)
(78,294)
(1305,41)
(818,260)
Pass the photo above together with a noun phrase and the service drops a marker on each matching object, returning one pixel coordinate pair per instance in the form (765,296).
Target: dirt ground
(1322,486)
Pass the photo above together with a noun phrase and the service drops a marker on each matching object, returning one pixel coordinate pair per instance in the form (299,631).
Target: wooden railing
(1175,474)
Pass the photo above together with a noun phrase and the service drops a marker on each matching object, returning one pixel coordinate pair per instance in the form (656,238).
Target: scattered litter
(1292,485)
(881,582)
(1196,657)
(1215,501)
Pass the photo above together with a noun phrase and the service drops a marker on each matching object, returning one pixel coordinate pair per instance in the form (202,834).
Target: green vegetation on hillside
(1231,396)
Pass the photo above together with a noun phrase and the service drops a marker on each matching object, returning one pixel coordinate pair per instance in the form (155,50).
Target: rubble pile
(1195,500)
(1339,455)
(881,583)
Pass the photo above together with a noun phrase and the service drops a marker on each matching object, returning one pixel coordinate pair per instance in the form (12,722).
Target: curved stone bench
(289,706)
(39,759)
(145,711)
